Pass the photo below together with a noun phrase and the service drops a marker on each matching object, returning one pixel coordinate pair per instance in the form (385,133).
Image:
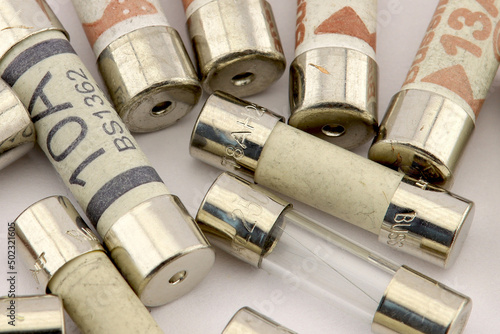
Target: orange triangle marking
(347,22)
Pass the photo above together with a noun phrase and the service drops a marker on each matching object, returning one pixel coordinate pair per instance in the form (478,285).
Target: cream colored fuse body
(333,79)
(66,259)
(429,122)
(144,64)
(151,237)
(245,138)
(236,43)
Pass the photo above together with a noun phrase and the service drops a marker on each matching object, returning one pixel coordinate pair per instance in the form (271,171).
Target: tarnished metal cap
(33,314)
(17,132)
(179,257)
(248,321)
(49,234)
(333,95)
(241,220)
(231,133)
(414,303)
(150,78)
(427,222)
(237,45)
(22,19)
(423,134)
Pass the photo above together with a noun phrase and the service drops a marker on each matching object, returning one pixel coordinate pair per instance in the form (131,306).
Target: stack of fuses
(154,252)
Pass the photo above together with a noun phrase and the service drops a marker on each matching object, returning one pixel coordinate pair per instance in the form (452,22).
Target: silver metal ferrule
(32,314)
(22,19)
(237,46)
(51,233)
(424,135)
(414,303)
(17,132)
(150,78)
(241,220)
(248,321)
(333,95)
(427,222)
(178,255)
(231,133)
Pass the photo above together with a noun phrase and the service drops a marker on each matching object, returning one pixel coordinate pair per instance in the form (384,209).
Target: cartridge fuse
(142,60)
(264,231)
(248,321)
(409,216)
(17,132)
(151,237)
(33,314)
(237,45)
(333,79)
(66,259)
(430,120)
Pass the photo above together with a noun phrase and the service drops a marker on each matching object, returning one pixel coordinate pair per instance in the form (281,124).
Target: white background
(233,284)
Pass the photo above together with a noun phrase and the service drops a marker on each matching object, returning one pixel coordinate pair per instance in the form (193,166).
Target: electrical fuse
(430,120)
(333,79)
(237,45)
(248,321)
(142,60)
(66,259)
(264,231)
(150,235)
(33,314)
(17,132)
(408,215)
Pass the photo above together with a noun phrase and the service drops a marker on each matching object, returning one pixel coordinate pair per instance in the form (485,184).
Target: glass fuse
(237,45)
(409,216)
(150,235)
(65,258)
(333,79)
(142,60)
(430,120)
(263,230)
(248,321)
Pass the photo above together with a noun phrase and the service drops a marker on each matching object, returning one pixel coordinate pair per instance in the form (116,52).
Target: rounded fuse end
(333,95)
(424,135)
(231,133)
(241,219)
(414,303)
(427,222)
(150,78)
(237,45)
(248,321)
(17,132)
(178,255)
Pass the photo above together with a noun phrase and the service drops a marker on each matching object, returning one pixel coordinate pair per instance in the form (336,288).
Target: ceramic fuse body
(151,237)
(66,259)
(142,60)
(333,79)
(263,230)
(242,137)
(429,122)
(17,132)
(248,321)
(237,45)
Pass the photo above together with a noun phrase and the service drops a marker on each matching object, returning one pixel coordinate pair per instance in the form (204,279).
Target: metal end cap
(150,78)
(424,135)
(160,250)
(241,218)
(33,314)
(333,95)
(249,321)
(414,303)
(427,222)
(231,133)
(51,233)
(17,132)
(34,16)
